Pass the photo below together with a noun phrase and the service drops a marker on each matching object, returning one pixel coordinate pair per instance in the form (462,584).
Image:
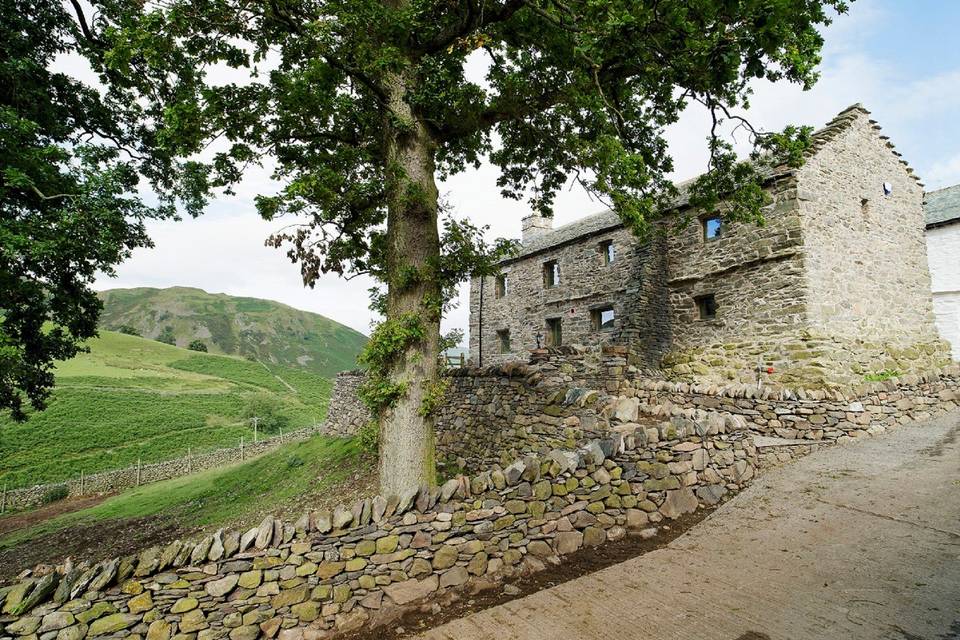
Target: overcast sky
(899,58)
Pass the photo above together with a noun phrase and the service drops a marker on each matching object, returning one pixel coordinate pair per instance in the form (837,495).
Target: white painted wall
(943,254)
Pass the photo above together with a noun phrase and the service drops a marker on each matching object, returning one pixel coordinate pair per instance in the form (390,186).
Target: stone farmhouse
(942,209)
(833,286)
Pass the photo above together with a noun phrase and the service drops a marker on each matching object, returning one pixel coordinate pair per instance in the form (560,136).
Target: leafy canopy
(65,206)
(581,88)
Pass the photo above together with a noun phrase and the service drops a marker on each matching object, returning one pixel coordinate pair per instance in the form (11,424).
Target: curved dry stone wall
(363,564)
(667,449)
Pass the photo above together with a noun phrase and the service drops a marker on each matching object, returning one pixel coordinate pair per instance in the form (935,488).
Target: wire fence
(23,497)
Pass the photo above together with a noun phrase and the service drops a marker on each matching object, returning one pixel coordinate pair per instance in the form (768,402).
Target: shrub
(368,437)
(127,329)
(198,345)
(55,494)
(167,336)
(269,411)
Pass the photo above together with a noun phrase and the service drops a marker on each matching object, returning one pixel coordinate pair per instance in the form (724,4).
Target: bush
(198,345)
(127,329)
(167,336)
(269,411)
(55,494)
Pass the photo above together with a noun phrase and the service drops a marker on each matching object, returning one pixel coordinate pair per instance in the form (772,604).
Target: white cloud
(944,173)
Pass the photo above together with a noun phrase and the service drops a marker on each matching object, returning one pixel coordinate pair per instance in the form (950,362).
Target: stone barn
(832,287)
(942,209)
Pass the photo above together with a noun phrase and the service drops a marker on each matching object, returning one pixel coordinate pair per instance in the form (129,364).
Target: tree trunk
(406,435)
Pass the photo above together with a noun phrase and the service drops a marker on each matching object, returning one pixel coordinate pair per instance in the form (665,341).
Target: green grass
(227,495)
(260,329)
(881,376)
(133,398)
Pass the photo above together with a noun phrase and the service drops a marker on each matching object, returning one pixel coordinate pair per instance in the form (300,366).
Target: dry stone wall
(666,449)
(351,413)
(332,572)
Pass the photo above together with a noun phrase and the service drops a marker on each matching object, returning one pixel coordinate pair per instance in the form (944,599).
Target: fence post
(3,503)
(81,481)
(138,471)
(241,448)
(281,435)
(189,459)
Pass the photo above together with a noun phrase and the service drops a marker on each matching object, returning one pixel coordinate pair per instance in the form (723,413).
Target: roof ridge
(953,186)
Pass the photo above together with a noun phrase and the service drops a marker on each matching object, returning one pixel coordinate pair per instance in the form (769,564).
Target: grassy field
(131,397)
(317,473)
(269,331)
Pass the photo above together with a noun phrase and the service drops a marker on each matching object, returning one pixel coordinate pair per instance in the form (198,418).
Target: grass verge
(310,474)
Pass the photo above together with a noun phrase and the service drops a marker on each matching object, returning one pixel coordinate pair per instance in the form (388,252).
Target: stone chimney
(535,226)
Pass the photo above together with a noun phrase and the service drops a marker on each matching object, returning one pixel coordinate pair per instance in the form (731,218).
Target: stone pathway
(858,541)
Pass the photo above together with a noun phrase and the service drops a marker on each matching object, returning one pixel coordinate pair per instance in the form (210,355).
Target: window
(551,274)
(554,332)
(602,319)
(607,252)
(503,337)
(707,306)
(712,226)
(501,286)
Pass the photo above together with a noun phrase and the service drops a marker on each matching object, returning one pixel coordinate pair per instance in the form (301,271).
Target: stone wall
(364,564)
(120,479)
(351,413)
(868,283)
(667,449)
(564,397)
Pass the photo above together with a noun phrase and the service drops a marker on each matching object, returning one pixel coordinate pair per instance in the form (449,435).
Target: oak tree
(361,106)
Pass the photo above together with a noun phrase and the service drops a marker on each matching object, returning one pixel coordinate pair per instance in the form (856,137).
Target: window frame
(551,274)
(554,332)
(596,318)
(705,224)
(608,252)
(503,341)
(705,302)
(500,286)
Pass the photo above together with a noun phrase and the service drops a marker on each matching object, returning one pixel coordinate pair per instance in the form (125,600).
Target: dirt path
(26,519)
(861,541)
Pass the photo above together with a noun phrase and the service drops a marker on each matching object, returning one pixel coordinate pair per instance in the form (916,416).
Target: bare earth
(859,541)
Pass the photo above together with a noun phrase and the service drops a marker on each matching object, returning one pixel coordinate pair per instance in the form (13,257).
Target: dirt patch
(455,605)
(105,538)
(26,519)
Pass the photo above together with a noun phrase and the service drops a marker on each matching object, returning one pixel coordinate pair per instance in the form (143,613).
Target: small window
(602,319)
(554,332)
(707,306)
(864,207)
(503,337)
(501,286)
(607,252)
(712,227)
(551,274)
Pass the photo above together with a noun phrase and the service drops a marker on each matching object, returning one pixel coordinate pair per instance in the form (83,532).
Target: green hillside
(133,397)
(262,329)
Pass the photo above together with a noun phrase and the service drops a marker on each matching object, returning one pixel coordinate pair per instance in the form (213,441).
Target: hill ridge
(257,328)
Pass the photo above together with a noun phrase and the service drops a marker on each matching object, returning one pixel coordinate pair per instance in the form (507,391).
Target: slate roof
(942,206)
(605,220)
